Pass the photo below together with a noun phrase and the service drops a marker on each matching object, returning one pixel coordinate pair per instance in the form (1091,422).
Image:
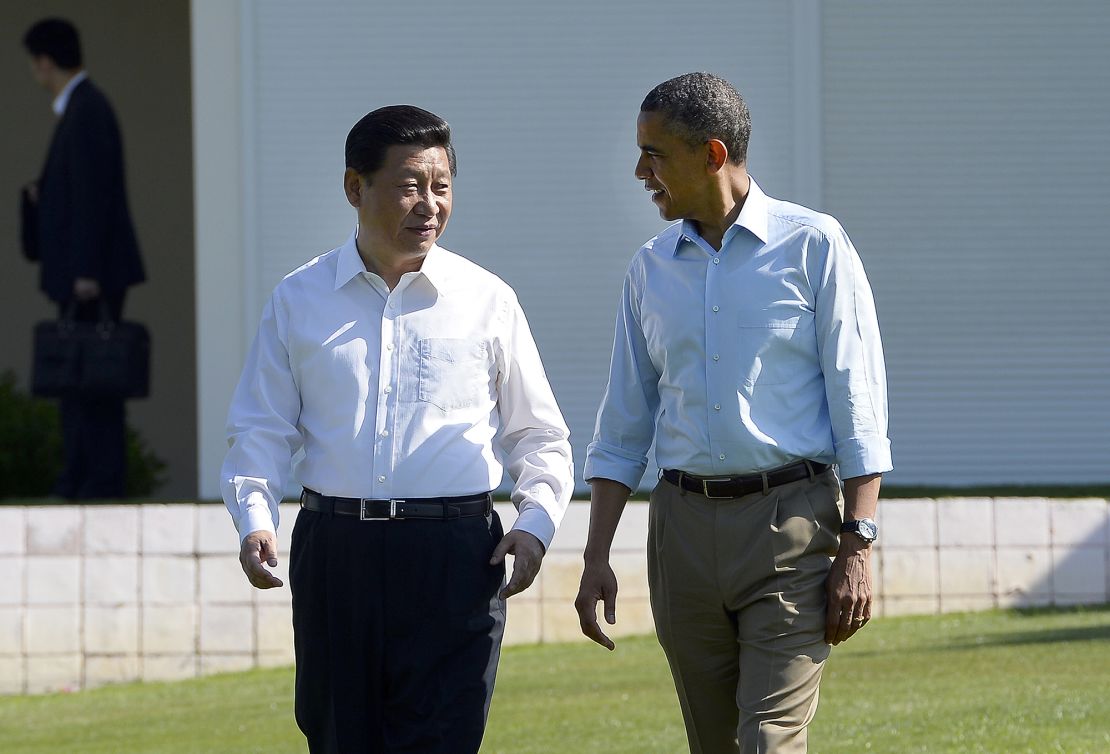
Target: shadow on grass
(956,638)
(1049,636)
(1098,632)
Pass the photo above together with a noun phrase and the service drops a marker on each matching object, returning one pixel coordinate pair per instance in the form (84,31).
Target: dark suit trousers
(93,434)
(397,632)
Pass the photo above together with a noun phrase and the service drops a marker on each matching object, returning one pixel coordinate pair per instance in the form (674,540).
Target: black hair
(380,129)
(700,107)
(57,39)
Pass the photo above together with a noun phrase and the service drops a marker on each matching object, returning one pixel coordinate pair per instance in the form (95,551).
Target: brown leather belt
(727,487)
(426,508)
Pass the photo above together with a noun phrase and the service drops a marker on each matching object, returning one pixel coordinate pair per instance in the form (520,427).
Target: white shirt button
(382,477)
(392,305)
(722,456)
(384,433)
(716,406)
(389,346)
(716,357)
(716,308)
(388,389)
(716,260)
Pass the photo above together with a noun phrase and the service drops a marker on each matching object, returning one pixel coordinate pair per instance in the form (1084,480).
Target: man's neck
(60,80)
(725,210)
(388,267)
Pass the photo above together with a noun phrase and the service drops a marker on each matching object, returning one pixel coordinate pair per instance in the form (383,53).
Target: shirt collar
(753,217)
(350,265)
(62,99)
(436,267)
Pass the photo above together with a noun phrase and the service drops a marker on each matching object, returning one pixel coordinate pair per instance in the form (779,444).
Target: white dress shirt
(62,100)
(431,389)
(746,359)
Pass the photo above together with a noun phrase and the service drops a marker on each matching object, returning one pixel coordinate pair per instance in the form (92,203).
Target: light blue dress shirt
(746,359)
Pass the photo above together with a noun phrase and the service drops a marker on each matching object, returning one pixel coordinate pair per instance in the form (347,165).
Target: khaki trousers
(738,595)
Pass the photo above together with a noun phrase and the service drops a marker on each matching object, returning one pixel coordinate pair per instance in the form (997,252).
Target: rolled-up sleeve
(626,418)
(533,437)
(851,356)
(261,428)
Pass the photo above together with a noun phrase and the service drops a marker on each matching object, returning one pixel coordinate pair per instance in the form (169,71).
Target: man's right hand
(259,547)
(86,289)
(599,584)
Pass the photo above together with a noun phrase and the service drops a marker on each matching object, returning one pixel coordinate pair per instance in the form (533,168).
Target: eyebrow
(415,175)
(650,148)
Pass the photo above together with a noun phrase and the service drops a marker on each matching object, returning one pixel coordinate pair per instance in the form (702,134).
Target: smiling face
(676,173)
(403,207)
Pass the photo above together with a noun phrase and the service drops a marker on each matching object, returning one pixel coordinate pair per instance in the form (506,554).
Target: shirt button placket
(713,325)
(383,447)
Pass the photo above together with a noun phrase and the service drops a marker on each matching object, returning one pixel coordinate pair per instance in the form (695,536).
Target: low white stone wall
(92,595)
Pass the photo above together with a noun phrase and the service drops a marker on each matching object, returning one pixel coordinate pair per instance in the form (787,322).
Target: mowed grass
(1027,681)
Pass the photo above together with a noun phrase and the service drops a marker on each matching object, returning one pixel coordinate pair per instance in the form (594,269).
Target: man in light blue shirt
(747,347)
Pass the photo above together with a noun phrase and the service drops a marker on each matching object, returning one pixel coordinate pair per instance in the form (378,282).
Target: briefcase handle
(104,326)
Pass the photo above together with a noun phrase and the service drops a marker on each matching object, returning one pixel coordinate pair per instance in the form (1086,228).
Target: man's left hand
(527,552)
(849,590)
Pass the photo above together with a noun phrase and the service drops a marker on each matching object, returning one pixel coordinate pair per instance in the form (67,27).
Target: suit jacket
(84,226)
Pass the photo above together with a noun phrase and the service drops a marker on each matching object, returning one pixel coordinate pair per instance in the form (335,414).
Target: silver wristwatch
(864,528)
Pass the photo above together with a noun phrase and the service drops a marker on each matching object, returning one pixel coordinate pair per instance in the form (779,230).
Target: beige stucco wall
(104,594)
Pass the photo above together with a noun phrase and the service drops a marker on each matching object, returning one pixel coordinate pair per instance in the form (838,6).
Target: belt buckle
(392,510)
(705,488)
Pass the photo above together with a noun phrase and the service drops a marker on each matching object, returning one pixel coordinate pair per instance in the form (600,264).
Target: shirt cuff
(256,517)
(611,462)
(536,522)
(861,458)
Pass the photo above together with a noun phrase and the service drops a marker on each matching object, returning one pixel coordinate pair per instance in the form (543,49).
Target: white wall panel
(542,99)
(217,201)
(965,152)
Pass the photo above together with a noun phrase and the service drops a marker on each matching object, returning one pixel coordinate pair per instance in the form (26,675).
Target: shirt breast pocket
(773,345)
(454,372)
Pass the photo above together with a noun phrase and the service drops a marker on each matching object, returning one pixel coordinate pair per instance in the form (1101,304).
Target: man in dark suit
(77,225)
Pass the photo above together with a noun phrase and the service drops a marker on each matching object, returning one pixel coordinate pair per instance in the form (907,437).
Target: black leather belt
(727,487)
(429,508)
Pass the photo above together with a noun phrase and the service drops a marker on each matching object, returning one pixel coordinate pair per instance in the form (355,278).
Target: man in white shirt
(408,377)
(748,348)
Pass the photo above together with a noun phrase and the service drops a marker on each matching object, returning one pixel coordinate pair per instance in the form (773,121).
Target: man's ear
(716,155)
(352,187)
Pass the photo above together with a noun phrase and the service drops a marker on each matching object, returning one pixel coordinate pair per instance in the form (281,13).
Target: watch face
(864,528)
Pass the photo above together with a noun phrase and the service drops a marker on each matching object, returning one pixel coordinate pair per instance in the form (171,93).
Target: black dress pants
(397,632)
(94,438)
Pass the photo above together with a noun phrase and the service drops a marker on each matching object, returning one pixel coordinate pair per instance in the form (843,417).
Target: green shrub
(145,470)
(31,448)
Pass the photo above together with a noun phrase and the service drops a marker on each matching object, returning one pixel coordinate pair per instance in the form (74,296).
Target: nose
(426,207)
(642,170)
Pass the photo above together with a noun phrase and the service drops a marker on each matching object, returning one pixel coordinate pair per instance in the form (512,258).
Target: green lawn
(1031,681)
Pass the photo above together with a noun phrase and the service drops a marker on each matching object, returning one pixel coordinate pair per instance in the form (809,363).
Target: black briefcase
(103,359)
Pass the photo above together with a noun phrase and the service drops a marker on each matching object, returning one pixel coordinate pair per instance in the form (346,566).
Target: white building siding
(961,144)
(965,152)
(542,100)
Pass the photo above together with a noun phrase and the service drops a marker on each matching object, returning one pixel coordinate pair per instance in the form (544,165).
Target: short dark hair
(380,129)
(57,39)
(701,107)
